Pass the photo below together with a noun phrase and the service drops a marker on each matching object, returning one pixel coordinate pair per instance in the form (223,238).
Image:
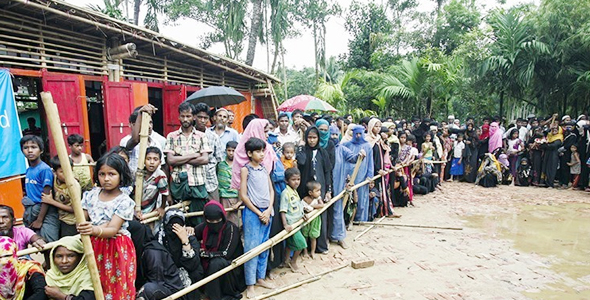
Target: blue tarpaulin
(12,160)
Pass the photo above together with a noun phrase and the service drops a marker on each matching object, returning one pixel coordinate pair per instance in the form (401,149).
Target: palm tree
(515,54)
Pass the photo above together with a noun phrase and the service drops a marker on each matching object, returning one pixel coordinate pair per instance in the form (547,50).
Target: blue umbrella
(216,96)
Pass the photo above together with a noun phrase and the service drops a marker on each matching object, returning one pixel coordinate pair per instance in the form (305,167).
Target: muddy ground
(516,243)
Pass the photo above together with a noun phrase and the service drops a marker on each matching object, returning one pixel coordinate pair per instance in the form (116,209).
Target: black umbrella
(216,96)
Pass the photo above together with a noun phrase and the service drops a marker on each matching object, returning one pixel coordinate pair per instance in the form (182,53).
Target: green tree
(458,18)
(515,53)
(368,25)
(226,18)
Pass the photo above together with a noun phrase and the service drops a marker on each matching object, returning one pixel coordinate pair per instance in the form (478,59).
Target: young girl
(457,163)
(407,156)
(575,166)
(427,147)
(258,196)
(109,210)
(513,149)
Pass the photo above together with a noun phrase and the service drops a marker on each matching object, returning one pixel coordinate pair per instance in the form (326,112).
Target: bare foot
(343,244)
(265,284)
(271,276)
(250,292)
(294,267)
(349,227)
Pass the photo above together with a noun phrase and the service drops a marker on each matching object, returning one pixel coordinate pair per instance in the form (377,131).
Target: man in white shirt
(222,130)
(285,132)
(131,141)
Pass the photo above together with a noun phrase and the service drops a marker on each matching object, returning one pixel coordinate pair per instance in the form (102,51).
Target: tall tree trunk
(501,104)
(315,51)
(278,48)
(136,8)
(254,31)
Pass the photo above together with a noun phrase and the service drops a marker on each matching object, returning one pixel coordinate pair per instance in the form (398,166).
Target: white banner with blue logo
(12,160)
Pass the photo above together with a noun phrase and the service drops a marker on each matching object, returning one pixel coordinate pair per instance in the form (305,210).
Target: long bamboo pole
(54,122)
(407,225)
(357,167)
(300,283)
(367,230)
(34,250)
(177,205)
(140,173)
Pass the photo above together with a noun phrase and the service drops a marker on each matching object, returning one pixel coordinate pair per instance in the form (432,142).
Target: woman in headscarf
(382,162)
(325,141)
(392,141)
(490,172)
(484,138)
(19,278)
(157,275)
(257,128)
(183,248)
(366,170)
(495,140)
(551,154)
(335,134)
(314,164)
(278,251)
(347,137)
(472,153)
(536,154)
(69,275)
(345,160)
(220,245)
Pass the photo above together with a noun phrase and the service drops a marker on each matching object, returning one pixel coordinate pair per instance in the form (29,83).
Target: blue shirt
(229,134)
(36,178)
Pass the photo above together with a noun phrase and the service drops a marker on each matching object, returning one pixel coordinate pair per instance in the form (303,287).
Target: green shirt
(291,205)
(224,178)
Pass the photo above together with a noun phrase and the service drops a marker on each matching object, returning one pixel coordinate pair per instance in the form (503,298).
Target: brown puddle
(559,233)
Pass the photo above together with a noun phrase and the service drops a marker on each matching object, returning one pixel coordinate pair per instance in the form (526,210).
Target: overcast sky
(299,50)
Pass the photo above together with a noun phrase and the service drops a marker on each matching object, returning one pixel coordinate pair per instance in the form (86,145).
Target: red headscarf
(485,132)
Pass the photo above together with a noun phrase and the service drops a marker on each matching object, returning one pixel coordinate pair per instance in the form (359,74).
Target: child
(121,151)
(81,161)
(456,164)
(292,211)
(524,176)
(61,200)
(513,149)
(108,210)
(427,147)
(229,196)
(155,184)
(288,158)
(401,194)
(406,156)
(374,195)
(313,201)
(40,217)
(257,193)
(575,166)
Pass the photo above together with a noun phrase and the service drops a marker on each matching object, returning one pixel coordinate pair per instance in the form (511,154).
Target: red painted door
(66,93)
(118,105)
(173,96)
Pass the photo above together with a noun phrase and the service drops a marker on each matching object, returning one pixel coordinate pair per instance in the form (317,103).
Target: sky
(300,51)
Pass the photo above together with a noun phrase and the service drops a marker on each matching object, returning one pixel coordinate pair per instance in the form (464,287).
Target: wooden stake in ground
(367,230)
(143,143)
(54,122)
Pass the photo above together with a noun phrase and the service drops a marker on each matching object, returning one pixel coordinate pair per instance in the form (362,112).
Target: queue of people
(277,172)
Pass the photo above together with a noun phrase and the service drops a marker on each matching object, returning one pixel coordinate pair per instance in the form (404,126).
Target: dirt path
(512,247)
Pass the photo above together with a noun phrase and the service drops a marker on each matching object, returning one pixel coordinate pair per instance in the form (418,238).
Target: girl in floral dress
(109,210)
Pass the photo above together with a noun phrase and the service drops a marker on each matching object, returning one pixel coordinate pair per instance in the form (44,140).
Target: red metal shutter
(173,96)
(118,105)
(66,93)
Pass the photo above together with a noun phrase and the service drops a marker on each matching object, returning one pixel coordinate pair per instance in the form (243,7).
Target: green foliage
(299,82)
(112,8)
(369,26)
(458,18)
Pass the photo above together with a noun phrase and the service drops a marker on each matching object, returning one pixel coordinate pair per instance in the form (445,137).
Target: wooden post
(143,143)
(352,179)
(54,122)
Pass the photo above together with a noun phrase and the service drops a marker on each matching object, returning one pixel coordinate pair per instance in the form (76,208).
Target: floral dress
(115,256)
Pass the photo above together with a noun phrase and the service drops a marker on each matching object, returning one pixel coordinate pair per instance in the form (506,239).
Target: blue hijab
(324,135)
(334,130)
(358,140)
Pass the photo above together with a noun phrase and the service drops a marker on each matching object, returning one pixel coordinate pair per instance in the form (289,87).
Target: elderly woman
(220,244)
(69,277)
(19,278)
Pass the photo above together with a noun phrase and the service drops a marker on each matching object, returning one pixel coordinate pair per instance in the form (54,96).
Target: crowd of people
(268,177)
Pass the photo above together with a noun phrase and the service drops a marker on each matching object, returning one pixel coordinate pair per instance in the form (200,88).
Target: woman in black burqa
(220,244)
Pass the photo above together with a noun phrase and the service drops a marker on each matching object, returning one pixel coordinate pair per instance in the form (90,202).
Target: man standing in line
(201,115)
